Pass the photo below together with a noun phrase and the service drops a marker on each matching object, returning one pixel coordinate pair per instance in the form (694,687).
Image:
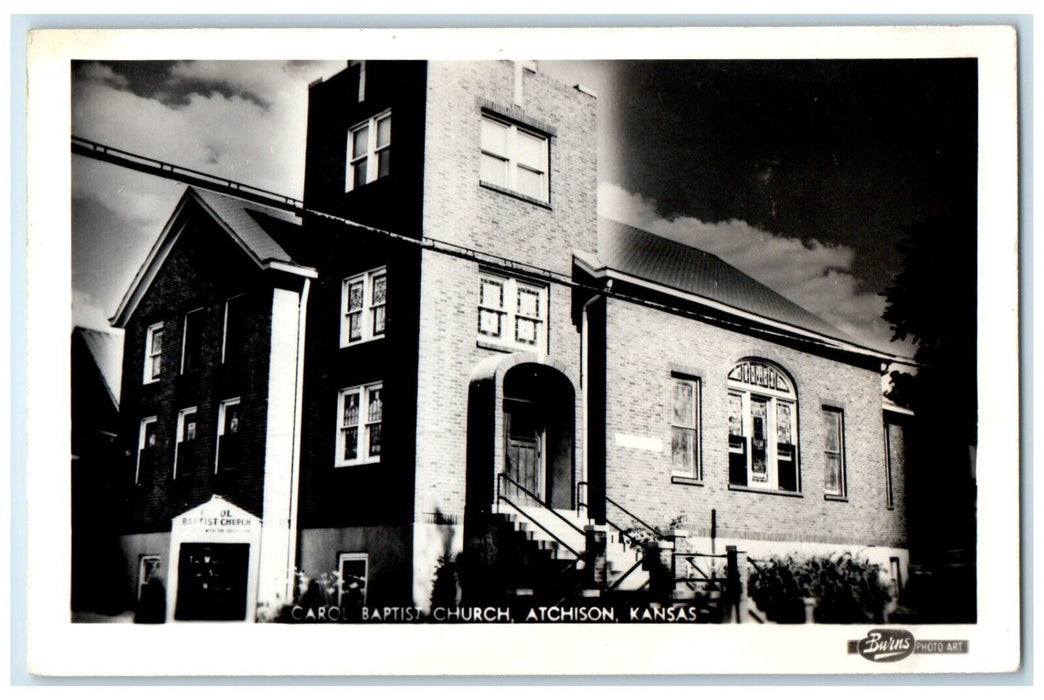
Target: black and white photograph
(373,346)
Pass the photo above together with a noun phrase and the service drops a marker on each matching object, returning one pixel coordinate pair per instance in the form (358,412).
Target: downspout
(295,468)
(584,351)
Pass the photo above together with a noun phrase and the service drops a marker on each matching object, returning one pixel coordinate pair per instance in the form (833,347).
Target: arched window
(762,428)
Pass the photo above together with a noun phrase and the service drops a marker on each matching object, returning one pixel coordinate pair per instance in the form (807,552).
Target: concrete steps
(563,538)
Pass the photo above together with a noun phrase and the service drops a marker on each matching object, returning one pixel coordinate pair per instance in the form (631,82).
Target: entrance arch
(522,424)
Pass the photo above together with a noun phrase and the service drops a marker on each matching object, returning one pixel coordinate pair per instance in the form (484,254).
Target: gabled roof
(682,268)
(270,237)
(106,349)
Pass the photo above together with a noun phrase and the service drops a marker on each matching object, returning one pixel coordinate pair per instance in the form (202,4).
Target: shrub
(846,589)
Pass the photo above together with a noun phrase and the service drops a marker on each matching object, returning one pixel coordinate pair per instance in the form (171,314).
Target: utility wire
(198,178)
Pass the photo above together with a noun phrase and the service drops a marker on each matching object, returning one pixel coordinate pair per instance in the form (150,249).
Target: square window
(512,312)
(514,158)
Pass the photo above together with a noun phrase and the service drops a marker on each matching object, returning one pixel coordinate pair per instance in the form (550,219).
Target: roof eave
(786,328)
(165,242)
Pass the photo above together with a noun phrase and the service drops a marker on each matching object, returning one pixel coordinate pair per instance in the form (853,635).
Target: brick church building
(302,394)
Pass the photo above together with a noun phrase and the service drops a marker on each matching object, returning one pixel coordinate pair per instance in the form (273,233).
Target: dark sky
(803,174)
(850,152)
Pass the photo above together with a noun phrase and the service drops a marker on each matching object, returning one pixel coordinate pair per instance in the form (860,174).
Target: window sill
(833,497)
(767,492)
(507,347)
(364,341)
(357,463)
(512,193)
(686,480)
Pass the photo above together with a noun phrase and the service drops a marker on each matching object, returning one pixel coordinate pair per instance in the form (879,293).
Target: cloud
(242,120)
(812,274)
(89,313)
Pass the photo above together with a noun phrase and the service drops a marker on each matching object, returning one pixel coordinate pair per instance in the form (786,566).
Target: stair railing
(502,477)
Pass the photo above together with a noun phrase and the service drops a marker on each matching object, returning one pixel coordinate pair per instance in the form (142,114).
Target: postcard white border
(57,647)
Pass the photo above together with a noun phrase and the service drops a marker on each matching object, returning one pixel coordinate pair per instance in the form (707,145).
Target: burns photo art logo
(885,645)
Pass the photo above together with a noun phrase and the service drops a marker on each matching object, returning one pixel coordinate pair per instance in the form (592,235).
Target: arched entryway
(521,432)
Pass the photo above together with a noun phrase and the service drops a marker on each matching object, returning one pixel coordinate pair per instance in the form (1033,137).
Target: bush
(846,589)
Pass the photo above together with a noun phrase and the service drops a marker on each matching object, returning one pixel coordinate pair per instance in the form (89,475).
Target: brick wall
(460,210)
(203,270)
(644,346)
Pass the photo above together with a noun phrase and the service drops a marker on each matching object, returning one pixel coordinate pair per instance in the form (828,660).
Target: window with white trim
(834,452)
(153,352)
(514,158)
(149,567)
(185,445)
(145,463)
(512,312)
(353,571)
(229,451)
(762,428)
(192,341)
(369,151)
(233,337)
(363,307)
(360,411)
(685,421)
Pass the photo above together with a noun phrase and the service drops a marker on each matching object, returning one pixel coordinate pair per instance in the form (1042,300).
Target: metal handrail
(580,503)
(635,542)
(618,581)
(536,498)
(638,520)
(536,522)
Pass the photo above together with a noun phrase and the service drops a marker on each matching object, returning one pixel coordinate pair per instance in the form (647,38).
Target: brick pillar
(595,560)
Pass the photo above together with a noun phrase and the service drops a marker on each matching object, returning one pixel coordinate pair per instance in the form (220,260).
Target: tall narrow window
(685,439)
(512,312)
(229,446)
(185,445)
(192,341)
(360,412)
(834,452)
(153,352)
(234,337)
(364,301)
(762,428)
(514,158)
(369,151)
(145,464)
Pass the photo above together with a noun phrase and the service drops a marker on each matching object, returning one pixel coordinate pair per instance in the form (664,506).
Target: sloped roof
(663,261)
(267,232)
(269,236)
(107,351)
